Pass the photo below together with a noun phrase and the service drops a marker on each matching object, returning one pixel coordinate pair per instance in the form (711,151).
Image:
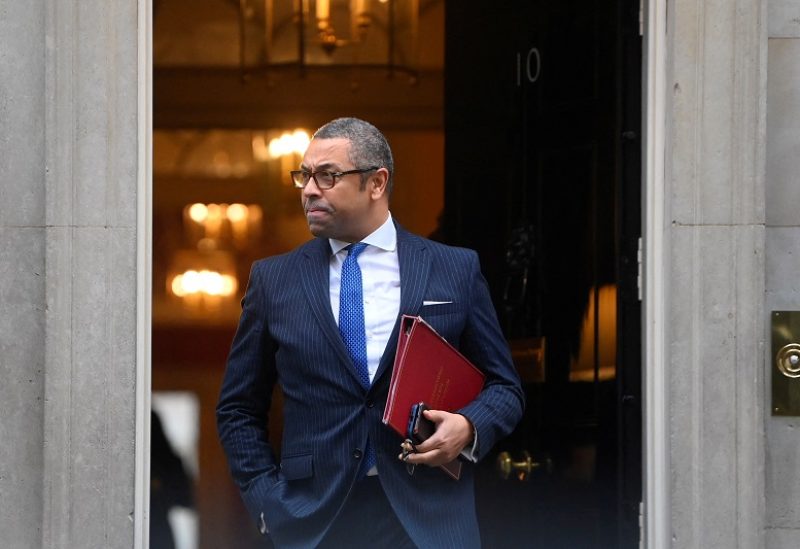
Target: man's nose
(311,188)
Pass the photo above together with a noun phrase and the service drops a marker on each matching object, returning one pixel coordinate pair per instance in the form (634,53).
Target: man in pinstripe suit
(338,481)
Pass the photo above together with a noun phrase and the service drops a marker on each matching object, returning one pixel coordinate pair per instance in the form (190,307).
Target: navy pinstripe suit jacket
(287,334)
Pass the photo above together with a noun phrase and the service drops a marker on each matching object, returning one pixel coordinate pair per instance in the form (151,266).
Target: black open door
(543,156)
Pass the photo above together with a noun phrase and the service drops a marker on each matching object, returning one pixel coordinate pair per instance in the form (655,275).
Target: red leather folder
(428,369)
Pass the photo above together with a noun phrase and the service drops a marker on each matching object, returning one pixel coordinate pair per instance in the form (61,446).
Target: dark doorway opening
(542,113)
(542,163)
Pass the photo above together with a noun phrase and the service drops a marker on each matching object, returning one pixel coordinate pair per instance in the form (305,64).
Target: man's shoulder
(450,249)
(440,249)
(279,261)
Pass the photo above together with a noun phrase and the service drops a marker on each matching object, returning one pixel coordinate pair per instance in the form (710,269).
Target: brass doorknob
(788,360)
(522,468)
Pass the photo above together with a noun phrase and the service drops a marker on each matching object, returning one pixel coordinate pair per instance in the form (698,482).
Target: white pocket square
(425,303)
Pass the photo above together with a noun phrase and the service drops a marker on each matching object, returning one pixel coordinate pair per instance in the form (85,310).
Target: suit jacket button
(370,403)
(357,453)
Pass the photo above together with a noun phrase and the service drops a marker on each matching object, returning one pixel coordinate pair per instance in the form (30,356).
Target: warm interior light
(198,212)
(260,148)
(289,143)
(275,148)
(214,212)
(323,9)
(236,213)
(222,221)
(204,282)
(300,141)
(341,32)
(582,366)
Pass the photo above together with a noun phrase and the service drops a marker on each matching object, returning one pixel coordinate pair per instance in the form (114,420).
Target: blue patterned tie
(351,326)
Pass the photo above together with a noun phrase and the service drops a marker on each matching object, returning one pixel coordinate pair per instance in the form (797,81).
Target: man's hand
(453,433)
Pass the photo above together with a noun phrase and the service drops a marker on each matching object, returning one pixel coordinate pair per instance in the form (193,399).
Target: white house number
(532,65)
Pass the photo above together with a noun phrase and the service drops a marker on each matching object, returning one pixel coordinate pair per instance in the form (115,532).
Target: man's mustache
(317,206)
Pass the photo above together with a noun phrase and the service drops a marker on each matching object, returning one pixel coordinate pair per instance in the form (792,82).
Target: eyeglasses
(323,178)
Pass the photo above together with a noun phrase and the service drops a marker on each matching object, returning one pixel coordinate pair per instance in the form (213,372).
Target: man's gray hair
(368,146)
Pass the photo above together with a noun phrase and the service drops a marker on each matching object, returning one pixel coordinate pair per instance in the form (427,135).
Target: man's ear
(378,183)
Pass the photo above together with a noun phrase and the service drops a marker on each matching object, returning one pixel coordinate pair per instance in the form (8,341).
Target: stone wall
(22,271)
(714,266)
(69,86)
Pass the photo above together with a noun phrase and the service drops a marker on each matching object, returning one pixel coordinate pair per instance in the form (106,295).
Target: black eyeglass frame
(334,176)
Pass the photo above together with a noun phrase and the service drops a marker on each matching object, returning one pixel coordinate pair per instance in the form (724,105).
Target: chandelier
(358,34)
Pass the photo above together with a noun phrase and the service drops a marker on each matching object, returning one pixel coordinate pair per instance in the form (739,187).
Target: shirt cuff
(471,453)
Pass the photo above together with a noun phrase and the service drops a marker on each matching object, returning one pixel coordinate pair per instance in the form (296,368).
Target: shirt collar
(384,237)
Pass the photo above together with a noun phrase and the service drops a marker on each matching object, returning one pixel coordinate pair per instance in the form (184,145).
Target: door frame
(144,259)
(655,505)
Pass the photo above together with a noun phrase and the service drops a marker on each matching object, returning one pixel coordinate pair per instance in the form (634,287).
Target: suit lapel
(415,266)
(316,284)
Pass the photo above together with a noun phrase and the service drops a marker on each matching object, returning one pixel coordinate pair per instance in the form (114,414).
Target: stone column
(68,272)
(783,256)
(22,271)
(714,261)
